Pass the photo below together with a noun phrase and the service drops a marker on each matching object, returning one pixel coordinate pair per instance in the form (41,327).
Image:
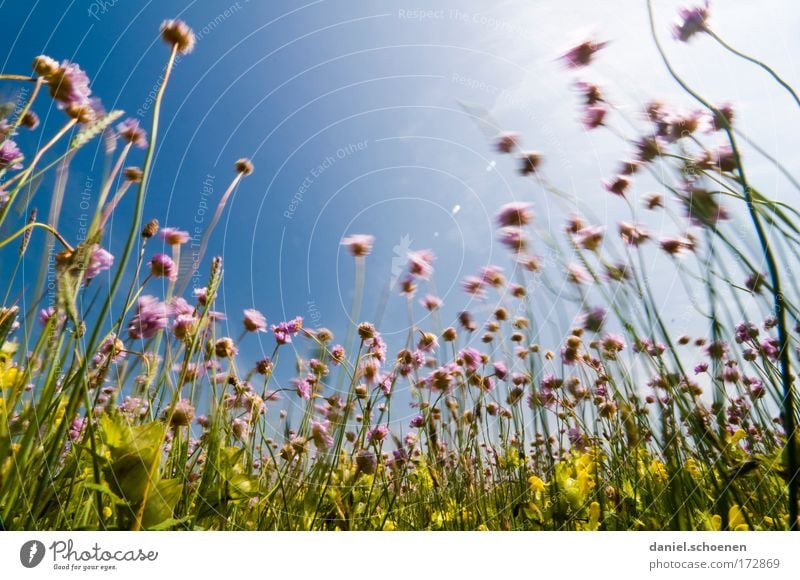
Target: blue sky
(350,112)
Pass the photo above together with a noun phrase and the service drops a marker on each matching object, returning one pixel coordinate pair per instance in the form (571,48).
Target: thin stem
(30,226)
(779,306)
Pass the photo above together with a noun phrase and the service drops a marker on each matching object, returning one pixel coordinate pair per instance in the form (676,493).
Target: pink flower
(100,261)
(618,186)
(162,265)
(130,131)
(360,245)
(431,302)
(516,213)
(594,116)
(254,321)
(690,22)
(174,236)
(582,54)
(151,316)
(506,142)
(420,264)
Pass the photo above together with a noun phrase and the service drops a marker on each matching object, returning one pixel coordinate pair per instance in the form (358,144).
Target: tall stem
(772,267)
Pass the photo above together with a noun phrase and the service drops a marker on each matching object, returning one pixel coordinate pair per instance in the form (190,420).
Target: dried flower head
(178,34)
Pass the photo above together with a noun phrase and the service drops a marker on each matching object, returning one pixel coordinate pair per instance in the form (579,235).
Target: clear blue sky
(356,103)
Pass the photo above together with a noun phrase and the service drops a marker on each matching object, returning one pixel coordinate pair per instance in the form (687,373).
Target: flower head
(151,316)
(506,142)
(254,321)
(514,214)
(360,245)
(691,21)
(100,261)
(162,266)
(10,155)
(178,34)
(581,55)
(174,236)
(420,264)
(69,85)
(130,131)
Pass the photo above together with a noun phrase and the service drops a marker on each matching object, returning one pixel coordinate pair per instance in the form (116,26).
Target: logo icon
(31,553)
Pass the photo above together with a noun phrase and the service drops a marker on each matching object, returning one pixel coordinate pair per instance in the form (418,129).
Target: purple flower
(700,368)
(183,325)
(100,261)
(378,434)
(442,378)
(360,245)
(254,321)
(581,55)
(474,286)
(130,131)
(514,239)
(338,354)
(594,116)
(162,266)
(10,155)
(593,319)
(690,22)
(320,434)
(178,306)
(45,314)
(417,421)
(303,388)
(470,359)
(174,236)
(151,316)
(69,85)
(500,370)
(516,213)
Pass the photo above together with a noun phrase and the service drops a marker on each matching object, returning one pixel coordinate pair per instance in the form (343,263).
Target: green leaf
(161,503)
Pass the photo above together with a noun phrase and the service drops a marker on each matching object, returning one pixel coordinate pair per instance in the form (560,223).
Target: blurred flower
(691,21)
(618,186)
(10,155)
(151,316)
(594,116)
(178,34)
(420,264)
(514,239)
(359,244)
(506,142)
(286,330)
(320,435)
(516,213)
(254,321)
(69,85)
(581,55)
(162,265)
(100,261)
(130,131)
(174,236)
(530,161)
(431,302)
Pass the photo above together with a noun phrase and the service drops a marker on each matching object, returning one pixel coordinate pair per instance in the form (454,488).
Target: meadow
(124,407)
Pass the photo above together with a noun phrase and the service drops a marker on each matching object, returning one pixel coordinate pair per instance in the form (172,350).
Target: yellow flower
(536,483)
(736,519)
(594,516)
(659,470)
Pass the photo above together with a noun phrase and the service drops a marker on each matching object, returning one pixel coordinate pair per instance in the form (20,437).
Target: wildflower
(225,348)
(466,321)
(130,131)
(45,66)
(303,388)
(338,354)
(420,264)
(691,21)
(431,302)
(674,246)
(178,34)
(182,415)
(201,294)
(506,142)
(474,286)
(320,435)
(69,85)
(29,120)
(653,200)
(100,261)
(517,213)
(589,237)
(470,359)
(500,370)
(377,434)
(360,245)
(612,344)
(366,461)
(594,116)
(449,334)
(700,368)
(593,319)
(723,118)
(514,239)
(150,229)
(442,379)
(417,421)
(254,321)
(428,342)
(162,265)
(244,167)
(285,330)
(590,92)
(174,236)
(133,174)
(183,326)
(264,366)
(648,148)
(633,235)
(730,374)
(577,274)
(618,186)
(10,155)
(45,314)
(151,316)
(581,54)
(530,161)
